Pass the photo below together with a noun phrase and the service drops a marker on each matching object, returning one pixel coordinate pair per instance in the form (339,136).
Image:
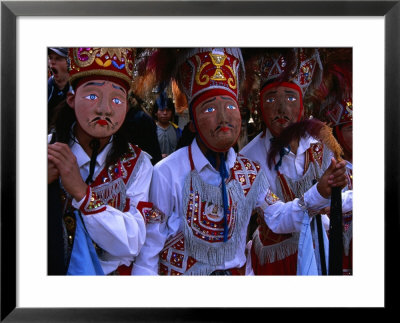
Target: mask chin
(212,147)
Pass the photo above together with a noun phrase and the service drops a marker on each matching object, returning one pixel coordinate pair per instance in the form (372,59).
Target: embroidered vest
(199,248)
(270,246)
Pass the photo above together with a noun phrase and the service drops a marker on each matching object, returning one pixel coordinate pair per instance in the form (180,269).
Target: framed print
(372,29)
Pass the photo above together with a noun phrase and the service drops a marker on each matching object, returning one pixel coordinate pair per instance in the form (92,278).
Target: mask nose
(281,105)
(103,108)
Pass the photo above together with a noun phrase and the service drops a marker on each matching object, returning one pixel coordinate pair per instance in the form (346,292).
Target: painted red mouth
(282,121)
(102,122)
(224,129)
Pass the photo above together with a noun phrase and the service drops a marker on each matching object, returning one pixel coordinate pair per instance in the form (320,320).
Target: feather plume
(179,97)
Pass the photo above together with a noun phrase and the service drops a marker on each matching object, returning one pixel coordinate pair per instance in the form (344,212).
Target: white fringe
(275,252)
(110,190)
(217,253)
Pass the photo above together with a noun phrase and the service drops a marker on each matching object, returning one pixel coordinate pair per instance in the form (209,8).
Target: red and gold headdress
(193,73)
(301,67)
(203,72)
(298,68)
(113,63)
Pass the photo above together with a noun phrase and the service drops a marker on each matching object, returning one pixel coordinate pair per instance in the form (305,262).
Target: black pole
(336,234)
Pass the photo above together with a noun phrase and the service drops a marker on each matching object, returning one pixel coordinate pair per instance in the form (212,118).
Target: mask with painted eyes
(218,121)
(100,107)
(281,106)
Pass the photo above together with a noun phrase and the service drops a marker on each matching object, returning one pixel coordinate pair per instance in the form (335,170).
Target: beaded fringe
(275,252)
(213,254)
(108,191)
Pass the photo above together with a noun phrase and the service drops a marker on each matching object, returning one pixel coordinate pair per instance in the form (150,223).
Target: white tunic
(166,193)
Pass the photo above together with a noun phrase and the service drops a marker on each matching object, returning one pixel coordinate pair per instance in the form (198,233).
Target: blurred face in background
(58,66)
(164,116)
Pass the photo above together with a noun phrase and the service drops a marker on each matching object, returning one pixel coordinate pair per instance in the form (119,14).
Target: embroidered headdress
(204,72)
(113,63)
(333,98)
(194,73)
(341,112)
(298,66)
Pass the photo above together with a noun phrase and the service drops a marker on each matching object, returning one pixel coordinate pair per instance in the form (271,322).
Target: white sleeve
(287,217)
(122,234)
(156,231)
(347,201)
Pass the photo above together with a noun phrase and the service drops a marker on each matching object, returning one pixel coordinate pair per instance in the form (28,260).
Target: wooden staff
(335,226)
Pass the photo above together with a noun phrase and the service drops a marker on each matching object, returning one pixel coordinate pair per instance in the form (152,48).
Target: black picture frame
(10,10)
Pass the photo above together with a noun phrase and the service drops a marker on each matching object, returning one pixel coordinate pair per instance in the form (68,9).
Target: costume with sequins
(272,253)
(186,238)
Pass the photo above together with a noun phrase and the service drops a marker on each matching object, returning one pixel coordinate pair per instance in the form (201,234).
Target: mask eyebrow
(208,101)
(94,83)
(290,92)
(228,98)
(118,88)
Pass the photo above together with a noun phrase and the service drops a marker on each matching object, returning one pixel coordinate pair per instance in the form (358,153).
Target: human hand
(65,161)
(326,210)
(334,176)
(52,172)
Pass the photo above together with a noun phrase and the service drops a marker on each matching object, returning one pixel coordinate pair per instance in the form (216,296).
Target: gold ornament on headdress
(218,60)
(198,73)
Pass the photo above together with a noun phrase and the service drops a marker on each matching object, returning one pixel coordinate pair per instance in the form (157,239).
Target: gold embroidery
(205,78)
(232,82)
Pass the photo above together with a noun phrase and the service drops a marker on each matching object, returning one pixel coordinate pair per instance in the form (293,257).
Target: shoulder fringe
(275,252)
(303,184)
(213,254)
(347,236)
(110,190)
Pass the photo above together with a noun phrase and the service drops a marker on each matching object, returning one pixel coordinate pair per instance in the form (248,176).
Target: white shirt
(166,194)
(120,234)
(347,195)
